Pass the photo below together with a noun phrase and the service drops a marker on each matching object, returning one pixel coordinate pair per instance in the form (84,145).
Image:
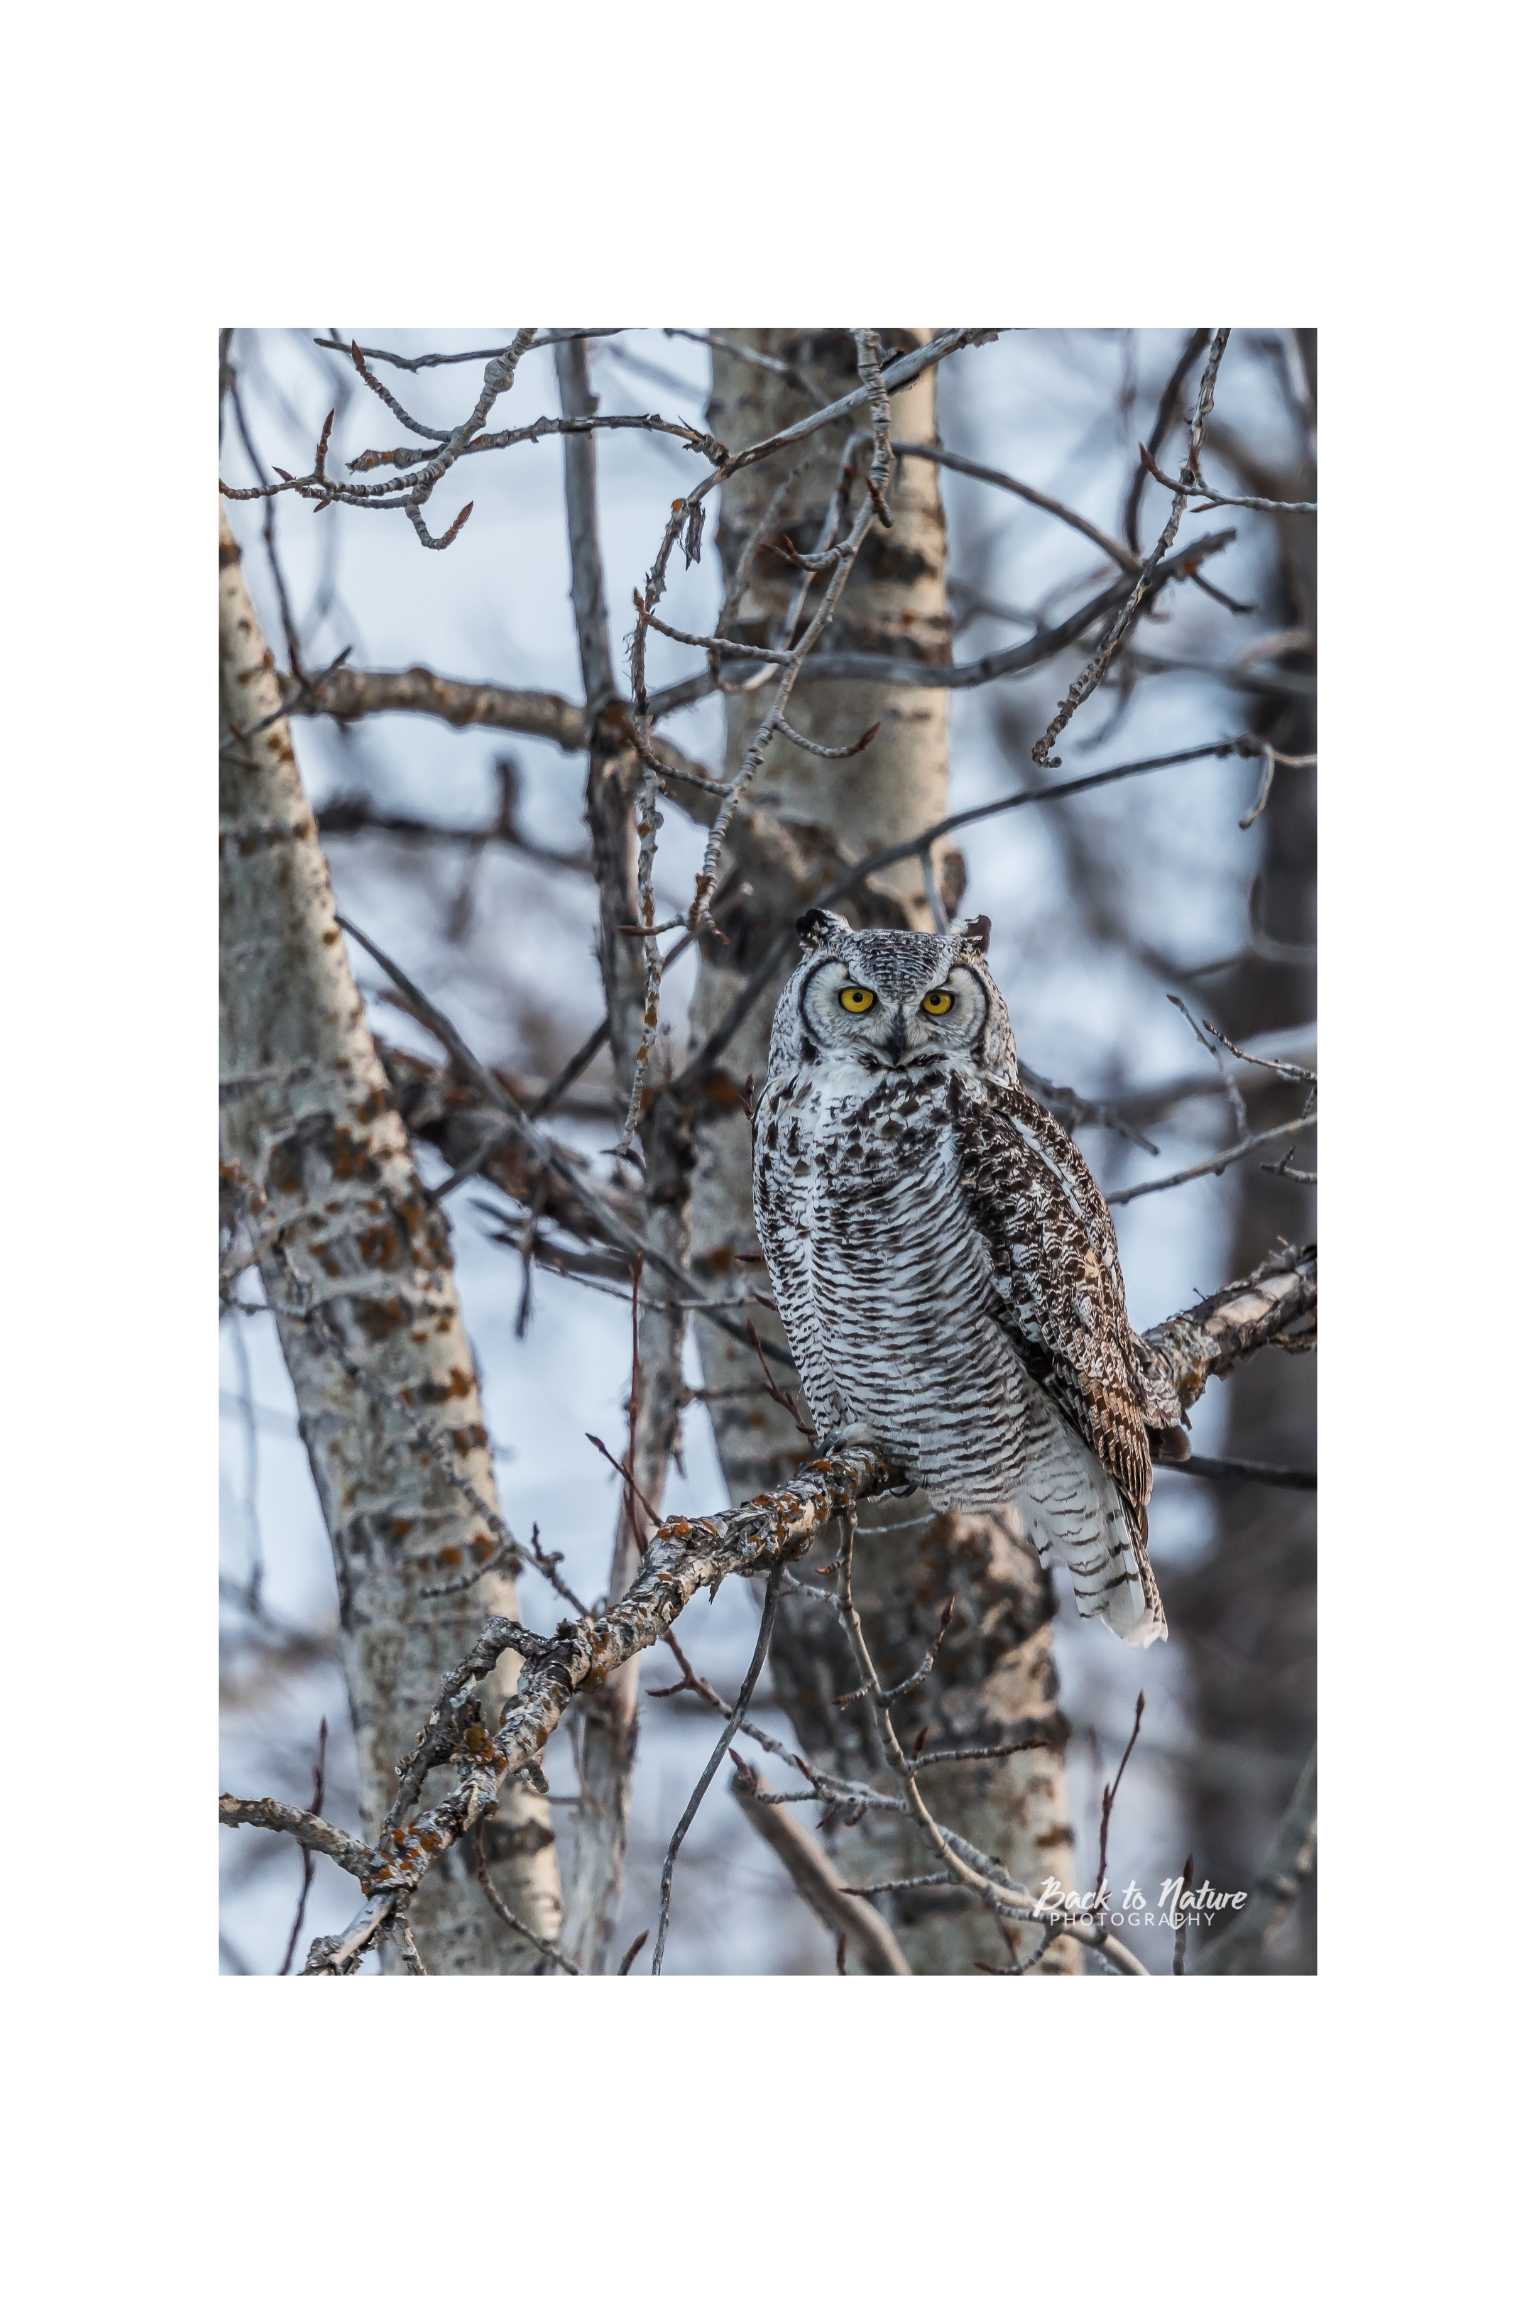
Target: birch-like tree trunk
(358,1269)
(995,1667)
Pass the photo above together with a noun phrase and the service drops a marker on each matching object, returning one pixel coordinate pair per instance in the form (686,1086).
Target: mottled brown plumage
(1056,1262)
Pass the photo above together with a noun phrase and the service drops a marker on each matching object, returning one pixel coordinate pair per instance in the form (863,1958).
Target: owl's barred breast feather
(947,1274)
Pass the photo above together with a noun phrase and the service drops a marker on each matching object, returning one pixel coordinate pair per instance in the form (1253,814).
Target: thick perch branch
(683,1557)
(1277,1304)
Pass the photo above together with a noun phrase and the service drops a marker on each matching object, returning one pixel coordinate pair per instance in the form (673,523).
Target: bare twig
(1113,549)
(894,1887)
(355,812)
(1251,815)
(634,1493)
(1282,1167)
(429,466)
(1167,408)
(1245,1055)
(759,1655)
(350,695)
(337,343)
(628,1960)
(970,1752)
(1107,1809)
(753,358)
(1216,1164)
(818,1881)
(1088,679)
(550,1952)
(894,377)
(777,1392)
(343,1955)
(1211,499)
(570,1072)
(315,1806)
(1040,647)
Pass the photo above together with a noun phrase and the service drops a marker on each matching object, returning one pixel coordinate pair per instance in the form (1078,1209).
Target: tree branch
(1111,546)
(301,1824)
(1217,1162)
(818,1881)
(1276,1304)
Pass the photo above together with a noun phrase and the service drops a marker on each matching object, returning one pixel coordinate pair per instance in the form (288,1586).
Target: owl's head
(890,999)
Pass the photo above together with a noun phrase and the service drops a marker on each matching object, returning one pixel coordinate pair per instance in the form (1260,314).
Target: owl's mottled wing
(1057,1273)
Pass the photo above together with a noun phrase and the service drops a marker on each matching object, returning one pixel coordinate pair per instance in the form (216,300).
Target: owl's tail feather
(1152,1623)
(1101,1539)
(1112,1577)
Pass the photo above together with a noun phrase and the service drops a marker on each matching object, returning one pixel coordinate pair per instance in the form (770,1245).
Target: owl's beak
(896,1043)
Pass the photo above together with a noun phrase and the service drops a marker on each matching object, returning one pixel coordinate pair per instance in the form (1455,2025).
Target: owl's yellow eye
(938,1003)
(856,999)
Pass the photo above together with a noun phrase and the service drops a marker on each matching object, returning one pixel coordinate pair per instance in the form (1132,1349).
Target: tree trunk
(995,1667)
(357,1267)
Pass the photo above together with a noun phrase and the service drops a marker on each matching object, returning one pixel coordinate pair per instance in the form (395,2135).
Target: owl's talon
(1168,1443)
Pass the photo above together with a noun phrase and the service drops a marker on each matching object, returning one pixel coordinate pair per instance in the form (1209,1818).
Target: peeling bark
(316,1158)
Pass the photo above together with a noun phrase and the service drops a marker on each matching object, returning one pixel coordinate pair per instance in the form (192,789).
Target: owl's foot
(847,1436)
(1168,1443)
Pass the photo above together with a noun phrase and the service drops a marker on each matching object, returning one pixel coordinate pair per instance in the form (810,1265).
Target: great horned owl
(945,1264)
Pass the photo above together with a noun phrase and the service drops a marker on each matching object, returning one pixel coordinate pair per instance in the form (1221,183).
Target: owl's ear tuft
(977,933)
(817,927)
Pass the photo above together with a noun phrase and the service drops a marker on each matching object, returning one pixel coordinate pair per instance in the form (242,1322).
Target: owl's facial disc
(894,1021)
